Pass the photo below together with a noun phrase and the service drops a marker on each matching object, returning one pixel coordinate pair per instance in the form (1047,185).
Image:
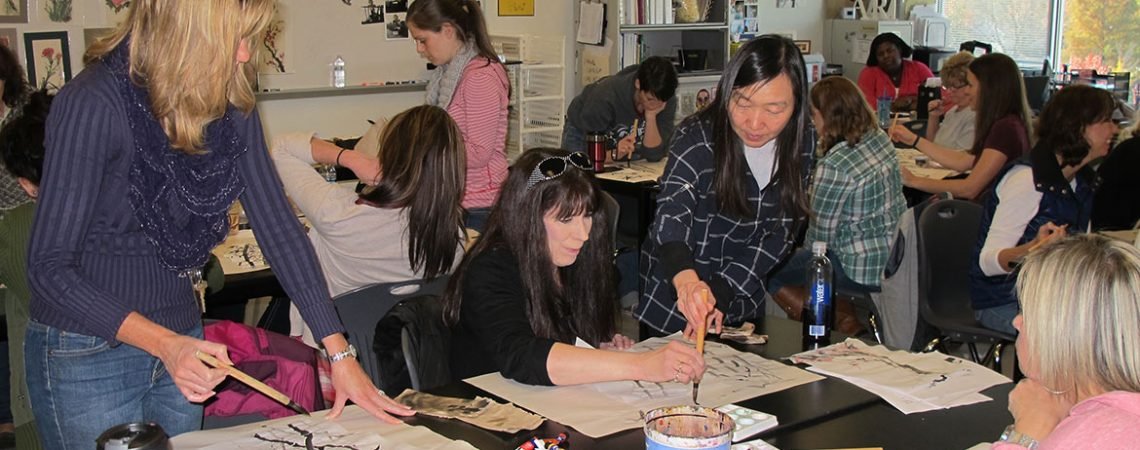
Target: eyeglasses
(554,166)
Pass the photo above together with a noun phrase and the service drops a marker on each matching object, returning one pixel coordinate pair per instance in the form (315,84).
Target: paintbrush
(700,344)
(252,382)
(633,131)
(894,121)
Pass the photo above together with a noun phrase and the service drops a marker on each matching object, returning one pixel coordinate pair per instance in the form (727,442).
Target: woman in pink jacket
(1080,315)
(471,84)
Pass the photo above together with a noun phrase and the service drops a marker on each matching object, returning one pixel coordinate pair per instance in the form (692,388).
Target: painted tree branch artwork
(273,52)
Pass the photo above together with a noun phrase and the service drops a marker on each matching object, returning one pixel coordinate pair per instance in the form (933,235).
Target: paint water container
(687,428)
(596,148)
(819,309)
(134,436)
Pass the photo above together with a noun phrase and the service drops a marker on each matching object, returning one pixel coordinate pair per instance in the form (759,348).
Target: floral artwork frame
(48,58)
(276,53)
(13,11)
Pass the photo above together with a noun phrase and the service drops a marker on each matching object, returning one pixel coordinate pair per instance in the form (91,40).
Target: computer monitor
(1037,91)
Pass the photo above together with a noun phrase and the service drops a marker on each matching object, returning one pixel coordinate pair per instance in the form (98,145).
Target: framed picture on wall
(516,7)
(48,59)
(804,45)
(8,39)
(13,11)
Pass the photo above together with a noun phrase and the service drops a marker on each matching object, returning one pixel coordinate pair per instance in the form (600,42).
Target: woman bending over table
(146,150)
(542,275)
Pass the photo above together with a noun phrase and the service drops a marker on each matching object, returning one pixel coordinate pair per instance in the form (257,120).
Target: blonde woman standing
(146,150)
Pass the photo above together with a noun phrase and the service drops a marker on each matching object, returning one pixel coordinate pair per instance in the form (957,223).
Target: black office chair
(413,345)
(361,309)
(1037,91)
(947,234)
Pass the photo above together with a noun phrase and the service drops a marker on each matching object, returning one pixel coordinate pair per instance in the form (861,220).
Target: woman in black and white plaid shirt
(733,195)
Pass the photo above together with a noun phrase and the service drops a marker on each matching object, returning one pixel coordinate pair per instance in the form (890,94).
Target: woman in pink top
(471,84)
(1080,315)
(888,74)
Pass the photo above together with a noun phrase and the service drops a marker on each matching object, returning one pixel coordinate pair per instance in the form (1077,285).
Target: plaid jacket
(732,255)
(857,200)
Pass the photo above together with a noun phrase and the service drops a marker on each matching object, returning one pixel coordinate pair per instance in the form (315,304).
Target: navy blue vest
(1060,204)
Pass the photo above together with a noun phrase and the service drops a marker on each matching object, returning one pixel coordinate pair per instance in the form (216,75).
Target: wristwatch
(348,352)
(1017,438)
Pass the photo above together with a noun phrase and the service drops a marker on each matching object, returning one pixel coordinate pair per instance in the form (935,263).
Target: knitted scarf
(180,199)
(445,78)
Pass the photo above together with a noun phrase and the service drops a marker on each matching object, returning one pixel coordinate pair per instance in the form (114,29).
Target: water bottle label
(816,330)
(821,303)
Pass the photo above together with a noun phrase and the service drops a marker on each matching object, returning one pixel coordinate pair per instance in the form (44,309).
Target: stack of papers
(911,382)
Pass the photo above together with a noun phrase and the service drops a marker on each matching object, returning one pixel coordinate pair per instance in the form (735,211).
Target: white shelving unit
(709,38)
(538,100)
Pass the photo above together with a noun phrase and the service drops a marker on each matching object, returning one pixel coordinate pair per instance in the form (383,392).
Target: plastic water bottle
(328,171)
(819,309)
(338,72)
(883,106)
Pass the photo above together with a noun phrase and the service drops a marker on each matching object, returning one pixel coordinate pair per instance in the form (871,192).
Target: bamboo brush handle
(244,378)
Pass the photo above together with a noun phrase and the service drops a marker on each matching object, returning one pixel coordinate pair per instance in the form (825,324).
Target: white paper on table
(600,409)
(591,19)
(355,428)
(932,170)
(914,381)
(637,172)
(239,253)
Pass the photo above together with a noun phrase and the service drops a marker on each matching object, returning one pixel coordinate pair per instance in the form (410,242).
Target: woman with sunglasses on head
(542,275)
(733,196)
(1077,346)
(407,224)
(471,84)
(1001,134)
(146,150)
(1040,197)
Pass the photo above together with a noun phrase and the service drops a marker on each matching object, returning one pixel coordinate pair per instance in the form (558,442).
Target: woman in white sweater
(406,224)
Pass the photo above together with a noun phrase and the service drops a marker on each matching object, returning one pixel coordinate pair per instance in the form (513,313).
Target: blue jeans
(80,386)
(794,273)
(573,139)
(476,219)
(999,318)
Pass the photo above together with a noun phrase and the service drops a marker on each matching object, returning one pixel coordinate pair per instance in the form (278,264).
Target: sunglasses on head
(554,166)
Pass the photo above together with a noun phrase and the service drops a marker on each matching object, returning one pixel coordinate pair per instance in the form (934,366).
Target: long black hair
(761,60)
(16,87)
(424,167)
(582,300)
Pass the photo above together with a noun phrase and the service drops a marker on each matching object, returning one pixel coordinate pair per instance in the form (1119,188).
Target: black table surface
(829,413)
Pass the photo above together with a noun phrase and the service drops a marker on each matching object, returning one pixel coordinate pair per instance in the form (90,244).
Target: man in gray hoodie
(643,94)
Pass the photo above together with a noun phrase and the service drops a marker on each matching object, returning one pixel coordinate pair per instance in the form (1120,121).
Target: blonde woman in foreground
(1077,346)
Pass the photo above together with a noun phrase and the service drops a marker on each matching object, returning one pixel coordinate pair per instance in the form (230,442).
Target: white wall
(325,28)
(805,21)
(318,31)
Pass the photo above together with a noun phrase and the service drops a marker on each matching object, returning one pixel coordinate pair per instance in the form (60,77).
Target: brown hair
(185,53)
(844,110)
(424,163)
(464,15)
(1001,93)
